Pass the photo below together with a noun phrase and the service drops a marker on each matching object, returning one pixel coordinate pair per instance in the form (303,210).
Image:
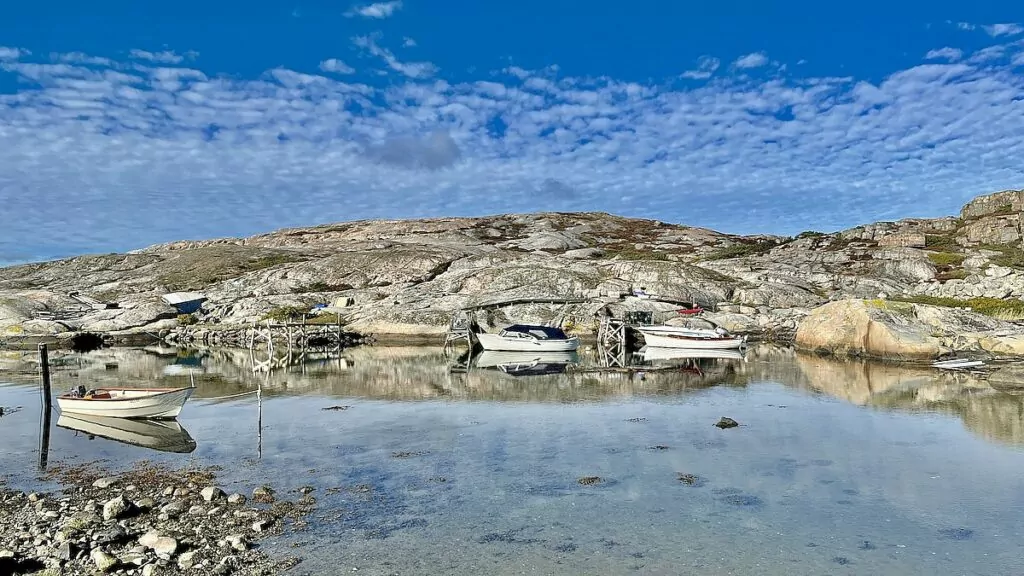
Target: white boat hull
(496,342)
(133,404)
(668,340)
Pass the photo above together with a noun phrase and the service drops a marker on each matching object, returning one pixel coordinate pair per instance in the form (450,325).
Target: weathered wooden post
(44,433)
(44,365)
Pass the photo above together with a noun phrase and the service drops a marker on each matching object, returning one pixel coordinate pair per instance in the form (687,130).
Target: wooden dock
(294,340)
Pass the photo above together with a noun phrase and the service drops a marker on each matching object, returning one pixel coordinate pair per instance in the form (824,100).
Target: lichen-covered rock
(867,328)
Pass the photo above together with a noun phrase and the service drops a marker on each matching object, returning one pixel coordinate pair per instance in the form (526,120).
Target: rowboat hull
(161,435)
(669,340)
(135,403)
(496,342)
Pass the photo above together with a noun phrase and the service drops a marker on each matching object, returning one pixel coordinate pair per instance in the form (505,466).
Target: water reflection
(160,435)
(526,363)
(423,373)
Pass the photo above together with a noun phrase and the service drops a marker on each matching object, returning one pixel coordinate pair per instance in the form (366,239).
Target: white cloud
(752,60)
(951,54)
(132,149)
(408,42)
(411,69)
(1009,29)
(706,66)
(7,53)
(378,10)
(336,66)
(165,57)
(965,26)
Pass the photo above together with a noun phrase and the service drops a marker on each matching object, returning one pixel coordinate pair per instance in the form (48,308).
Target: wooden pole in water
(44,433)
(44,365)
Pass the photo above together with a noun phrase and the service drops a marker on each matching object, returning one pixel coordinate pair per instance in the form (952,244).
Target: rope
(231,396)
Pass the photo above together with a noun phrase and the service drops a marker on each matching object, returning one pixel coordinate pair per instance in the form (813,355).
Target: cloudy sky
(127,123)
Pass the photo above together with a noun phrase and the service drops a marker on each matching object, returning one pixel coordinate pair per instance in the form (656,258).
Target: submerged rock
(725,422)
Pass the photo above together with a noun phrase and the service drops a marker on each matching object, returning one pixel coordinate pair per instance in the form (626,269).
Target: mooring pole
(44,433)
(44,365)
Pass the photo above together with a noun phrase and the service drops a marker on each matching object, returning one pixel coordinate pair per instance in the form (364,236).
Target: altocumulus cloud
(100,155)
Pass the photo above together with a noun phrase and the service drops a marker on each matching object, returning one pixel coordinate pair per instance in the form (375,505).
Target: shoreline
(148,520)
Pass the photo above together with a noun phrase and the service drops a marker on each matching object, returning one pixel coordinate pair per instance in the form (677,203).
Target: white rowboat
(127,402)
(527,338)
(702,343)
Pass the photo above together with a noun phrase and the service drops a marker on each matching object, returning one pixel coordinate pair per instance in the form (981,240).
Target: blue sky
(131,123)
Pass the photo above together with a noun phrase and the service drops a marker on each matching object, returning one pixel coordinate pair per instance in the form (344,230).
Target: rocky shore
(948,285)
(148,521)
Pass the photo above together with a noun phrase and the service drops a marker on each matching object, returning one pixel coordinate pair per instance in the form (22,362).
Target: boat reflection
(526,363)
(160,435)
(694,360)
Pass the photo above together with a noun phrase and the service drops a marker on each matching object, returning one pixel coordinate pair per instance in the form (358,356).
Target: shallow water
(838,468)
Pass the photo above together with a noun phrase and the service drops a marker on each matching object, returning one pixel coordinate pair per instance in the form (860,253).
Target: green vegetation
(1010,255)
(321,287)
(187,320)
(953,274)
(995,307)
(286,313)
(295,314)
(810,234)
(946,258)
(198,268)
(941,242)
(631,253)
(742,249)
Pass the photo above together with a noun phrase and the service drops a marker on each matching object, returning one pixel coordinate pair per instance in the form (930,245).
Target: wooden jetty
(297,341)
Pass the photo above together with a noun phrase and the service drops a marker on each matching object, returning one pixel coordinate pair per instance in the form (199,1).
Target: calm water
(838,468)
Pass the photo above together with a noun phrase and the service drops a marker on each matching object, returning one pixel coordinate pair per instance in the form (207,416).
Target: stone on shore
(116,508)
(104,562)
(212,493)
(103,483)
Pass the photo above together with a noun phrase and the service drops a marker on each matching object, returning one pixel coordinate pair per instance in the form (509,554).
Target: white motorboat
(126,402)
(162,435)
(529,338)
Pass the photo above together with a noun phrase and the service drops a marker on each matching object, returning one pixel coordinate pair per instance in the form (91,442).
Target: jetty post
(44,432)
(44,365)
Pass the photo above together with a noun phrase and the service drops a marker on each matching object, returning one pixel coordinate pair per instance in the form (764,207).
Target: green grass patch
(941,242)
(995,307)
(810,234)
(321,287)
(286,313)
(1010,255)
(954,274)
(946,258)
(742,249)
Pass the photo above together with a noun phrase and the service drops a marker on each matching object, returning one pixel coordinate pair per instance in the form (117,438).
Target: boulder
(868,328)
(116,508)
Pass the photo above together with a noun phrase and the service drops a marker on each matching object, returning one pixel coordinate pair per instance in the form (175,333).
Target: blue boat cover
(549,332)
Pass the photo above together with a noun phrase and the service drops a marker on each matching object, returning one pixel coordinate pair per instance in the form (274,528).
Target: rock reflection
(420,373)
